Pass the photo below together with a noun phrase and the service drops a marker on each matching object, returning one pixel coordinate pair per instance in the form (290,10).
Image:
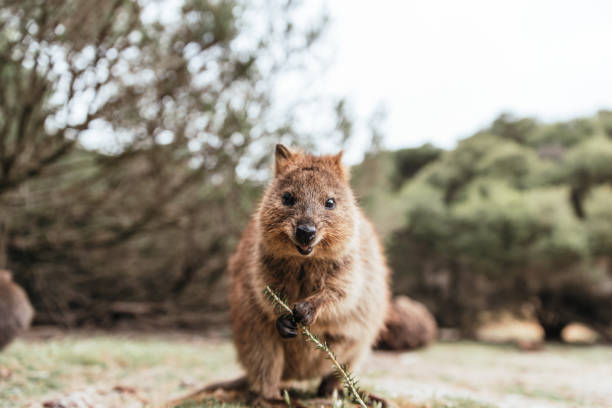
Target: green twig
(347,378)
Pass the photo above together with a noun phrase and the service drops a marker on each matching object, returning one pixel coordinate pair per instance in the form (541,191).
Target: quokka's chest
(306,280)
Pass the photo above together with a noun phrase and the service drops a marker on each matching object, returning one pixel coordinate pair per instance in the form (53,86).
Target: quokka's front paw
(304,313)
(286,326)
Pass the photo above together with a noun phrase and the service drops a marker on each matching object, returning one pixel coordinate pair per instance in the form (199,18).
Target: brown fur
(15,310)
(408,326)
(344,280)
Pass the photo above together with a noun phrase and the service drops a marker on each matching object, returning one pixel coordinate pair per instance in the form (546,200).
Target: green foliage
(378,178)
(589,163)
(599,222)
(516,210)
(410,161)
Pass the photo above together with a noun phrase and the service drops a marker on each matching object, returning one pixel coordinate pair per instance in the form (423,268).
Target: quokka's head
(308,209)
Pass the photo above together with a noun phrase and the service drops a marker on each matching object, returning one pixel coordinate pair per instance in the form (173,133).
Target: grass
(461,403)
(146,371)
(211,403)
(38,369)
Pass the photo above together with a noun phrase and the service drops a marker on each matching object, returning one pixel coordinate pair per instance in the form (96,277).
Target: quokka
(16,312)
(309,241)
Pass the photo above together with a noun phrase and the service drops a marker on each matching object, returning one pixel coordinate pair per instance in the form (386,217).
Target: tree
(515,218)
(128,134)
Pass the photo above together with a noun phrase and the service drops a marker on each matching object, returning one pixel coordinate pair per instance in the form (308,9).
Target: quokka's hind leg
(329,383)
(376,399)
(352,357)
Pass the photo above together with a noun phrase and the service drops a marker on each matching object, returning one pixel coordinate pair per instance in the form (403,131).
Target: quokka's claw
(286,326)
(304,313)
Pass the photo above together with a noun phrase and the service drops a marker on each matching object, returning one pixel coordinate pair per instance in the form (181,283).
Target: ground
(83,370)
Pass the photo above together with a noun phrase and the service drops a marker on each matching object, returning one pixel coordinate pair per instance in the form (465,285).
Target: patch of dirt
(93,397)
(499,376)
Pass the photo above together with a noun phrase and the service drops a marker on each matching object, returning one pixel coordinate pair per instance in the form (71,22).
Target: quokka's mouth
(304,250)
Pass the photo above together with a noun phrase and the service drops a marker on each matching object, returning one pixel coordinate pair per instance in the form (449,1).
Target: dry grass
(146,371)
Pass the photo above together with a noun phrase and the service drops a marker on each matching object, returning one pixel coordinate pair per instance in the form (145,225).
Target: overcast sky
(443,69)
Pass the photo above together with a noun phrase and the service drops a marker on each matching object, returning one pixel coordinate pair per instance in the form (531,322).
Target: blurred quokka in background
(16,312)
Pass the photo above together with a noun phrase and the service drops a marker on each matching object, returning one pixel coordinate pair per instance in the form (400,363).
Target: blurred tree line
(134,136)
(129,132)
(518,217)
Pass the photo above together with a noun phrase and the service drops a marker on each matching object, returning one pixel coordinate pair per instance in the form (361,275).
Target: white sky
(443,69)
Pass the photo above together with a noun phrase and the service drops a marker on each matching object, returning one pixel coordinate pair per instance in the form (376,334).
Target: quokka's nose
(305,233)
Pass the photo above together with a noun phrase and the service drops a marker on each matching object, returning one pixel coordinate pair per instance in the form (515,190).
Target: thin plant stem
(343,373)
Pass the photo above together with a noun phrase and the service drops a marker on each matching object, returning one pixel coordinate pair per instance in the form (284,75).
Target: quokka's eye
(330,204)
(288,199)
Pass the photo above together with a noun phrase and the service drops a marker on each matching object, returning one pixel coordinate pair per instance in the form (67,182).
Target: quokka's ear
(282,157)
(337,162)
(338,157)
